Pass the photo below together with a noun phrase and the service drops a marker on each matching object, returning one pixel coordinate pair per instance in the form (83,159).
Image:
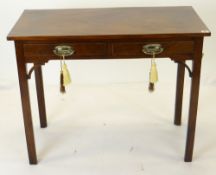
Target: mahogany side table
(109,33)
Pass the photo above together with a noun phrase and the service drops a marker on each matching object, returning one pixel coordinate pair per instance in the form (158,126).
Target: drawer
(32,52)
(134,49)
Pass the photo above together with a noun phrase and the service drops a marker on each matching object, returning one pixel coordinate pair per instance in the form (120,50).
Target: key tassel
(66,75)
(153,75)
(65,78)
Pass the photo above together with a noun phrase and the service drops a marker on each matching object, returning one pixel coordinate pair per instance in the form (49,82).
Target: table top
(108,23)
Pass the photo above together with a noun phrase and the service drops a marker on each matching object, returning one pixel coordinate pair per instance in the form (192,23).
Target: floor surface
(118,129)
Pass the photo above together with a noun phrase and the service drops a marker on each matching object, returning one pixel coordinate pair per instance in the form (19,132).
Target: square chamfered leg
(40,96)
(196,68)
(179,93)
(25,99)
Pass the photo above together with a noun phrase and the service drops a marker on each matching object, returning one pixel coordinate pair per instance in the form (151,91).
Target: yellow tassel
(66,75)
(153,75)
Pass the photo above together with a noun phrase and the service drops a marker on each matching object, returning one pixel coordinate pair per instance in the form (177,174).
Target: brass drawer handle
(152,49)
(63,50)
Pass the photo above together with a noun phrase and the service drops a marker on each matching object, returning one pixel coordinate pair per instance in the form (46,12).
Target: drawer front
(134,49)
(32,52)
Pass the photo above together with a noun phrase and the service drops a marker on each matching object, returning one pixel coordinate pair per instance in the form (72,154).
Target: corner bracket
(186,66)
(32,69)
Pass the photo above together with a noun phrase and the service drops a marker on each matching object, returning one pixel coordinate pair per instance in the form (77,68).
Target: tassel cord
(63,58)
(151,83)
(153,59)
(61,62)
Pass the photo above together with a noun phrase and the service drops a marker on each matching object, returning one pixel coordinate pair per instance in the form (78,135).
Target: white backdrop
(103,71)
(100,126)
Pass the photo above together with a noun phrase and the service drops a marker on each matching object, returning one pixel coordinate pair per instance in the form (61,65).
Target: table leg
(179,94)
(193,100)
(25,99)
(40,96)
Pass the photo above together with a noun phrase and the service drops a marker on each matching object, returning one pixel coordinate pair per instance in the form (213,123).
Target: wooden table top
(108,23)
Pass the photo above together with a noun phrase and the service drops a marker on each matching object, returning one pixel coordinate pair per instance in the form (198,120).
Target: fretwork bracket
(186,66)
(35,65)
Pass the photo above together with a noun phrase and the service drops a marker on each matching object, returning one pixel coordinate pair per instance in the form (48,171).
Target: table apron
(43,52)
